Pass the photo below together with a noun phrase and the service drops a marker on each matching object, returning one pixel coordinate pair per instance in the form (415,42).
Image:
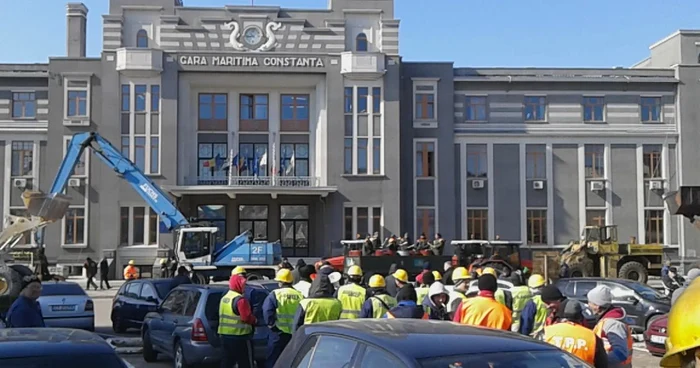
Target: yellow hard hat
(377,281)
(131,262)
(489,271)
(683,326)
(437,275)
(535,281)
(355,270)
(284,275)
(163,261)
(460,273)
(238,271)
(401,275)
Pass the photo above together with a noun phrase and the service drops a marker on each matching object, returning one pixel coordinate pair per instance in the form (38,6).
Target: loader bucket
(685,201)
(49,207)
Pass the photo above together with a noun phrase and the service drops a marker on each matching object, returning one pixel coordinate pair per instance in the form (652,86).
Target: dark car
(641,302)
(184,327)
(404,343)
(134,300)
(655,336)
(55,347)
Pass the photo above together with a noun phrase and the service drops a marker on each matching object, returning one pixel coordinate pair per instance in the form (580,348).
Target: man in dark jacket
(181,279)
(296,272)
(320,306)
(325,270)
(391,281)
(104,273)
(25,310)
(407,307)
(43,263)
(90,271)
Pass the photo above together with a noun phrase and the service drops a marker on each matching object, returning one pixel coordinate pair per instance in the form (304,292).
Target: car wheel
(179,361)
(117,325)
(149,355)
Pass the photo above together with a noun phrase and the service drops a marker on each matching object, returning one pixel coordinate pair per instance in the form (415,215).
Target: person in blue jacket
(25,311)
(407,307)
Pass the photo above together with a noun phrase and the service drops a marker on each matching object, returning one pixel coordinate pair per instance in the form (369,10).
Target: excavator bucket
(684,202)
(50,208)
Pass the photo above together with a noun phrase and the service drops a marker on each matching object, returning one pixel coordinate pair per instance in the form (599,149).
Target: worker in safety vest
(320,306)
(279,308)
(236,321)
(407,306)
(352,295)
(502,296)
(483,310)
(616,334)
(130,271)
(534,314)
(521,295)
(304,283)
(460,278)
(424,288)
(569,335)
(379,301)
(682,344)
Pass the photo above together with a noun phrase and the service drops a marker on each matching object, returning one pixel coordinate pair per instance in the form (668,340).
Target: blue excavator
(194,247)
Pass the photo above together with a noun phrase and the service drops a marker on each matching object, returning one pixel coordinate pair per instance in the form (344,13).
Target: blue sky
(591,33)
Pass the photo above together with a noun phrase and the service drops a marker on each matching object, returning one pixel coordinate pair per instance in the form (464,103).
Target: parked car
(641,302)
(184,327)
(655,335)
(56,347)
(65,304)
(402,343)
(134,300)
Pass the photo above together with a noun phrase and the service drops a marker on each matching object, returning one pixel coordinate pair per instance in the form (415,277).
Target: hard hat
(535,281)
(284,275)
(355,270)
(131,262)
(460,273)
(377,281)
(238,271)
(437,275)
(401,275)
(489,271)
(683,327)
(163,261)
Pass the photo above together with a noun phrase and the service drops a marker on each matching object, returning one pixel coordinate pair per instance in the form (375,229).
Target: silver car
(65,304)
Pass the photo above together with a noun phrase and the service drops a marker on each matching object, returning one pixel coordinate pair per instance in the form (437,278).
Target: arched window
(142,38)
(361,42)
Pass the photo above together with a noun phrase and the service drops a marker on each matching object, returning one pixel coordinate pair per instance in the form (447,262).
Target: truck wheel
(10,282)
(583,269)
(634,271)
(199,279)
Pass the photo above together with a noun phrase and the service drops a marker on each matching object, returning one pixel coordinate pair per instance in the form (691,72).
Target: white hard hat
(335,277)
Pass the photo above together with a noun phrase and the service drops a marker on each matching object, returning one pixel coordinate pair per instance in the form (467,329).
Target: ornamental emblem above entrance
(252,37)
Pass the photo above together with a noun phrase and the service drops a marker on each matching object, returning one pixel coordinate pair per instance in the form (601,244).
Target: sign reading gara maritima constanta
(251,61)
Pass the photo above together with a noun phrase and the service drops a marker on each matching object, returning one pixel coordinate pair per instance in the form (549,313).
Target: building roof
(24,70)
(618,74)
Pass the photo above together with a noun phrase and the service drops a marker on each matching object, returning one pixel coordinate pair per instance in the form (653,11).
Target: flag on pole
(290,167)
(274,156)
(263,162)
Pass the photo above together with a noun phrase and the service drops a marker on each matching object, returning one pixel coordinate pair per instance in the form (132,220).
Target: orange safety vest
(391,316)
(485,312)
(573,338)
(598,330)
(130,273)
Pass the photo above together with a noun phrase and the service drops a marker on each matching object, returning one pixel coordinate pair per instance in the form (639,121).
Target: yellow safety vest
(378,304)
(540,316)
(521,295)
(229,322)
(321,309)
(287,302)
(421,293)
(351,296)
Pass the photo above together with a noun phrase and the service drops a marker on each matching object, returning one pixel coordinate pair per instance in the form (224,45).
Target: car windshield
(645,291)
(162,288)
(517,359)
(54,289)
(85,361)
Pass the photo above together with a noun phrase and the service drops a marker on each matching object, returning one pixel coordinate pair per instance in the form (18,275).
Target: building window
(142,38)
(652,161)
(349,129)
(139,224)
(595,217)
(425,101)
(215,214)
(476,108)
(537,226)
(294,159)
(77,98)
(295,113)
(361,43)
(295,230)
(363,221)
(376,130)
(253,157)
(254,219)
(22,158)
(593,109)
(425,222)
(74,226)
(477,161)
(212,161)
(595,161)
(140,126)
(155,98)
(363,130)
(477,224)
(535,108)
(654,226)
(536,161)
(425,159)
(253,112)
(213,114)
(126,98)
(347,154)
(140,97)
(24,105)
(651,109)
(80,168)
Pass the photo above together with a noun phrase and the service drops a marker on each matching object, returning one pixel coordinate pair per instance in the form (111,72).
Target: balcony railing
(362,65)
(259,181)
(139,62)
